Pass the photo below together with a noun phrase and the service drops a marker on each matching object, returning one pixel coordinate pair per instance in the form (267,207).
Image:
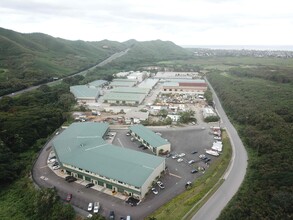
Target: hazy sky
(185,22)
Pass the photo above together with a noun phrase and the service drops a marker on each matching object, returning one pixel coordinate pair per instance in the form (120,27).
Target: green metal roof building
(134,90)
(98,83)
(124,98)
(83,153)
(84,93)
(154,142)
(122,84)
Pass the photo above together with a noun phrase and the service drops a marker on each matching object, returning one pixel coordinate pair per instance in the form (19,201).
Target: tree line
(262,111)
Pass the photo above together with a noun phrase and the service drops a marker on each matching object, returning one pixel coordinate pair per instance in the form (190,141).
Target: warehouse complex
(148,138)
(83,153)
(85,94)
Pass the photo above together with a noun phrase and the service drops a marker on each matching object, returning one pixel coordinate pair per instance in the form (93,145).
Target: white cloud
(181,21)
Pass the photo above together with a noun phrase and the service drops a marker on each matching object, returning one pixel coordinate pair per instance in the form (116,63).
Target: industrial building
(98,83)
(123,98)
(123,83)
(176,75)
(132,90)
(83,153)
(185,86)
(85,94)
(148,138)
(148,83)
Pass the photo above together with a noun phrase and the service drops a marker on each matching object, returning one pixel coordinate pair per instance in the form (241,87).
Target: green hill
(31,59)
(153,51)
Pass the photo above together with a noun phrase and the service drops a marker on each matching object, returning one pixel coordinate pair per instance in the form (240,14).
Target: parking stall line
(120,142)
(171,174)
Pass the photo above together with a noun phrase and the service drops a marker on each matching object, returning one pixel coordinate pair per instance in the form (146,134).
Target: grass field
(186,204)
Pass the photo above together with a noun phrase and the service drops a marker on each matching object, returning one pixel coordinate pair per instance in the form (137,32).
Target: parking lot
(185,140)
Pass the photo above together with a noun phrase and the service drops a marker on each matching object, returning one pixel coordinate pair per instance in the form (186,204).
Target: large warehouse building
(85,94)
(83,153)
(123,83)
(123,98)
(185,86)
(148,138)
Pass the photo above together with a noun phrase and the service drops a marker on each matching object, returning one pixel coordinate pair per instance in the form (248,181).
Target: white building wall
(148,183)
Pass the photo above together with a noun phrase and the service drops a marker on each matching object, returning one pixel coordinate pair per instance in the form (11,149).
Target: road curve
(234,175)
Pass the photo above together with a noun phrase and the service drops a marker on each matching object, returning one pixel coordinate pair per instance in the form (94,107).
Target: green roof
(124,80)
(124,97)
(130,90)
(148,135)
(148,83)
(83,91)
(123,83)
(97,83)
(81,145)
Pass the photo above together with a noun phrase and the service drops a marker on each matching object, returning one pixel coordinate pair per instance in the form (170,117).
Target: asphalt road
(104,62)
(235,174)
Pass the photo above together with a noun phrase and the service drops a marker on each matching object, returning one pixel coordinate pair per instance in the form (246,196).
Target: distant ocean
(243,47)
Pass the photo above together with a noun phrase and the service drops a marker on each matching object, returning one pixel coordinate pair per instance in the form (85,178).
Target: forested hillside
(152,51)
(259,102)
(30,59)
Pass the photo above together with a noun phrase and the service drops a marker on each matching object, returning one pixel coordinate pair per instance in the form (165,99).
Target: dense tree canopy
(262,110)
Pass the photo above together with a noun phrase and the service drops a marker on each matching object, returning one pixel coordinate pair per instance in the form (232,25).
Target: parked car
(194,152)
(51,160)
(96,207)
(175,156)
(67,177)
(127,134)
(207,159)
(191,161)
(202,156)
(155,191)
(180,160)
(55,164)
(72,179)
(89,185)
(181,155)
(194,171)
(112,215)
(69,197)
(56,167)
(158,133)
(161,185)
(90,206)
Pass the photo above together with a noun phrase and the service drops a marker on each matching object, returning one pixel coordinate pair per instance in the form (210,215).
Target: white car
(175,156)
(202,156)
(181,155)
(191,161)
(90,206)
(56,167)
(96,207)
(155,191)
(180,160)
(161,185)
(52,160)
